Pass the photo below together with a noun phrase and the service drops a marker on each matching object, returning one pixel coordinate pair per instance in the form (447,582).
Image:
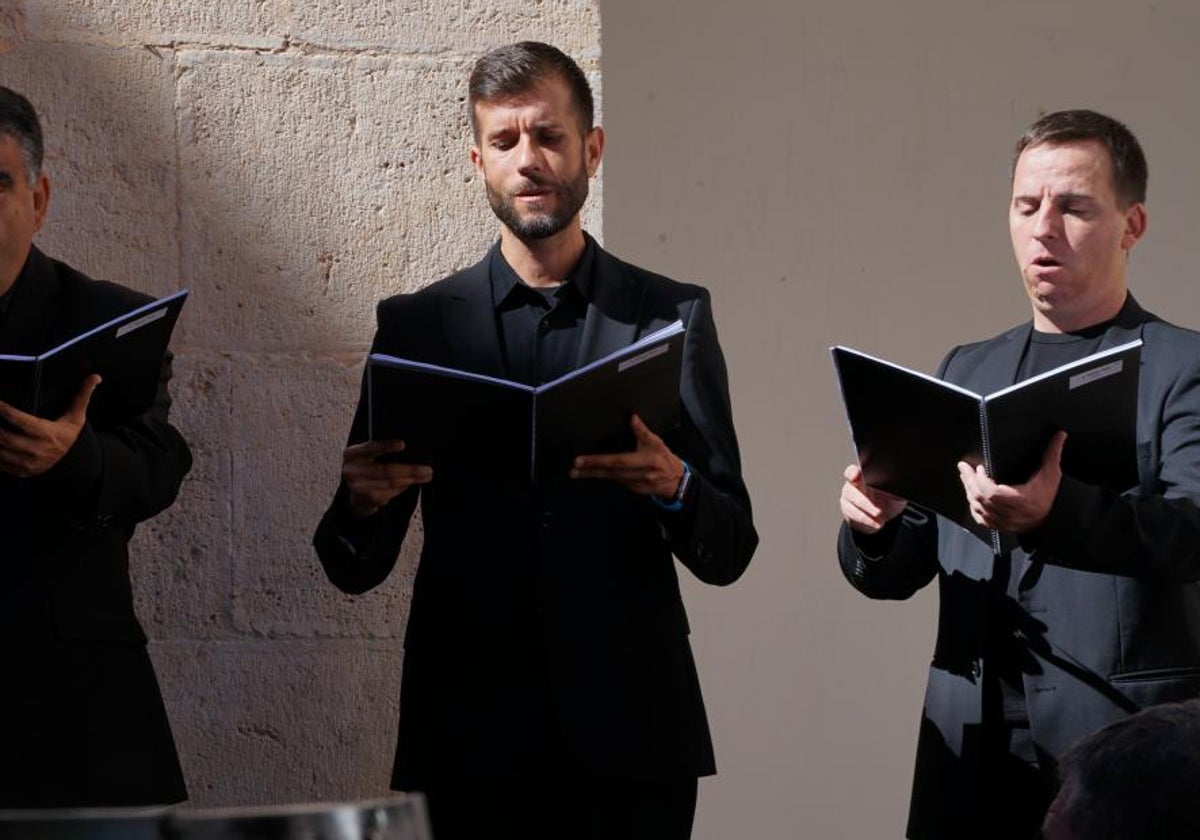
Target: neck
(1069,322)
(543,263)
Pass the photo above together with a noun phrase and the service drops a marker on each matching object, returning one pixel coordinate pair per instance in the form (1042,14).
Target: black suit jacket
(560,601)
(66,576)
(1107,611)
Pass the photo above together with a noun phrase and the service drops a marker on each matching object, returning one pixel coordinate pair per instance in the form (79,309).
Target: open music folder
(127,352)
(462,421)
(910,429)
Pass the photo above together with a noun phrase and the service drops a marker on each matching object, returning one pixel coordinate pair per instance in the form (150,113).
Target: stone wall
(290,163)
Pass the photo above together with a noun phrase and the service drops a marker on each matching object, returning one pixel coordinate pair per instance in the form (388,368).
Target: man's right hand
(372,483)
(864,508)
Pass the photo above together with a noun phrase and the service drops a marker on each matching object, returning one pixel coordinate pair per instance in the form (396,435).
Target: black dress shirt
(540,328)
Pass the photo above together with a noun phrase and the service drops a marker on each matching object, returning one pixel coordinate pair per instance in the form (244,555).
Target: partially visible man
(1135,779)
(82,722)
(548,687)
(1097,613)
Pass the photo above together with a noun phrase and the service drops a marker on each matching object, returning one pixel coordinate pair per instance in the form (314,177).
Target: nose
(1048,221)
(529,155)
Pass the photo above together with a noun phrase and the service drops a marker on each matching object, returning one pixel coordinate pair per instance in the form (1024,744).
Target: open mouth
(1046,262)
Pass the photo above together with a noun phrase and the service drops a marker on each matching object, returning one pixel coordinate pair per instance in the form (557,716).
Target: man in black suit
(82,722)
(1097,613)
(548,686)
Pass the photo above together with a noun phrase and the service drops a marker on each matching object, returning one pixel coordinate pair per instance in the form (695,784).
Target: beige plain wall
(837,172)
(290,162)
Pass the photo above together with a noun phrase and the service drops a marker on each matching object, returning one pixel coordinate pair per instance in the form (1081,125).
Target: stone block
(181,560)
(108,120)
(266,722)
(12,27)
(435,26)
(292,415)
(247,23)
(312,187)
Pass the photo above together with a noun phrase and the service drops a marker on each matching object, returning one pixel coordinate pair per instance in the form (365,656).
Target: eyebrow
(536,125)
(1060,198)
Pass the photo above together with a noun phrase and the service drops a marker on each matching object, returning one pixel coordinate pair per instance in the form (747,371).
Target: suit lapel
(1004,365)
(613,312)
(469,322)
(1126,326)
(28,324)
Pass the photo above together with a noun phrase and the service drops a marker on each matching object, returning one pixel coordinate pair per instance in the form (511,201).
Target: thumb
(77,412)
(642,433)
(1054,450)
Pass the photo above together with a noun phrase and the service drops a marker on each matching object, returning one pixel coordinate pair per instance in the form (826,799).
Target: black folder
(460,421)
(126,351)
(910,429)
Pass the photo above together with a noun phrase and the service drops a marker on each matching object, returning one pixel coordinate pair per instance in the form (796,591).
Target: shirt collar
(508,289)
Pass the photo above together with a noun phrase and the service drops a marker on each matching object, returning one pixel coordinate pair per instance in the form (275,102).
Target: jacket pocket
(1155,675)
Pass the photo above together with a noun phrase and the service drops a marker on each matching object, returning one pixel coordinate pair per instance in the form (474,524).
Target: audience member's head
(1136,779)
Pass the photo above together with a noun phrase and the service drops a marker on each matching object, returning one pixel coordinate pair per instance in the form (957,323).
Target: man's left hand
(1016,509)
(31,445)
(650,469)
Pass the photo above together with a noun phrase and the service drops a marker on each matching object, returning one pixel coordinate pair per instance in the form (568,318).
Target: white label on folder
(141,322)
(1095,373)
(643,357)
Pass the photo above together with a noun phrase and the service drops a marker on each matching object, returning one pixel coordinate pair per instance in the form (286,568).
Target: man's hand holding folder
(373,482)
(864,508)
(650,469)
(31,445)
(1017,509)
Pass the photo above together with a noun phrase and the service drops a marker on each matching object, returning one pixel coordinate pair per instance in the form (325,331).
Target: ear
(41,201)
(477,159)
(1135,225)
(593,149)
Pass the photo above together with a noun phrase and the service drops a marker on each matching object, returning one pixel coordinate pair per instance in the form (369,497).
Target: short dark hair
(509,71)
(1138,777)
(1128,162)
(19,120)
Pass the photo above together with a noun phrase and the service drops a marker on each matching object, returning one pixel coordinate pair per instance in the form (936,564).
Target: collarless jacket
(1107,608)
